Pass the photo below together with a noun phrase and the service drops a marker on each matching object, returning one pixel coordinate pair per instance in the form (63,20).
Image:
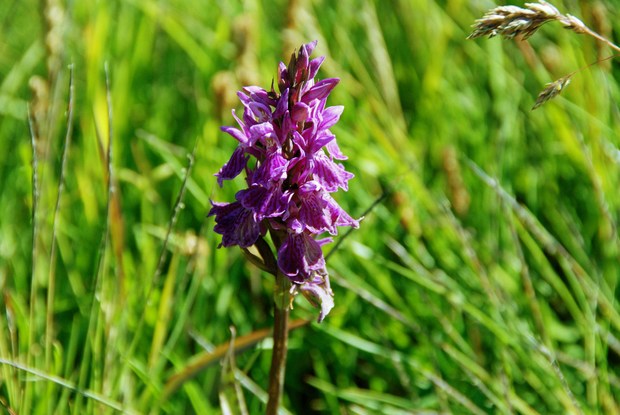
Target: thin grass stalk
(100,339)
(230,392)
(34,251)
(507,381)
(183,301)
(528,287)
(87,393)
(200,362)
(254,389)
(35,230)
(178,206)
(553,89)
(87,373)
(370,208)
(479,378)
(449,390)
(4,404)
(9,373)
(51,280)
(609,234)
(376,302)
(111,288)
(95,371)
(492,291)
(600,38)
(577,276)
(110,181)
(588,301)
(579,282)
(35,186)
(558,372)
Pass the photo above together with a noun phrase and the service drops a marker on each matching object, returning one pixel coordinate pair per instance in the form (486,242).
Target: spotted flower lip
(291,163)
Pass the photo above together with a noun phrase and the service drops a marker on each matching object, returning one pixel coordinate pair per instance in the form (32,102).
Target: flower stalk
(282,300)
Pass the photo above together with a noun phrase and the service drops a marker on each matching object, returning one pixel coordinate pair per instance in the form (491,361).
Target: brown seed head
(551,90)
(511,21)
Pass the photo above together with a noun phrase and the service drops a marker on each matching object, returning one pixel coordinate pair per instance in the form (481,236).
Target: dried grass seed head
(571,22)
(511,21)
(551,90)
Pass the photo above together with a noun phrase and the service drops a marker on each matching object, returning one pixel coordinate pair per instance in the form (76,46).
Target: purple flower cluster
(290,181)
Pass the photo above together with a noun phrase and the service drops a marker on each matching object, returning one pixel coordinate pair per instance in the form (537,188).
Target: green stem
(280,343)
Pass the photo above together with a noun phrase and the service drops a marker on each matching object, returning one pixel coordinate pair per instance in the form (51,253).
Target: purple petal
(334,150)
(261,111)
(314,65)
(331,115)
(329,174)
(248,118)
(309,47)
(320,90)
(286,128)
(300,112)
(321,139)
(241,123)
(300,140)
(312,212)
(272,170)
(282,76)
(309,189)
(264,133)
(262,201)
(258,94)
(245,99)
(235,223)
(302,63)
(299,169)
(262,129)
(338,215)
(236,134)
(282,105)
(324,241)
(299,255)
(233,167)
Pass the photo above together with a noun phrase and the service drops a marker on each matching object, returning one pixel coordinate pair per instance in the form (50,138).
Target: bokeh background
(485,279)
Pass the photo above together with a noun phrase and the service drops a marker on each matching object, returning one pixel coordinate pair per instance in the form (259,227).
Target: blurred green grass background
(485,281)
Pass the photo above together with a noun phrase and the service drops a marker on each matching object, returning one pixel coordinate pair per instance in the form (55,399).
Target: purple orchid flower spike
(295,169)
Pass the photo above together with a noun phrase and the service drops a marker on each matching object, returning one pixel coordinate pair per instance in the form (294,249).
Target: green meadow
(483,278)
